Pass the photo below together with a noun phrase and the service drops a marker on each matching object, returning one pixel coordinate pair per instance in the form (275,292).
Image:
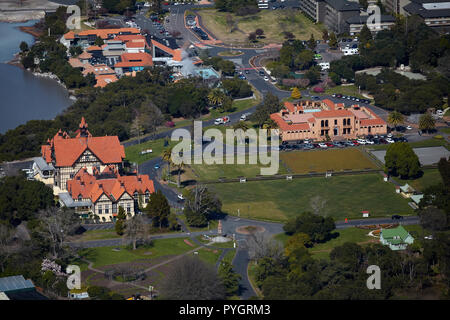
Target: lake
(24,96)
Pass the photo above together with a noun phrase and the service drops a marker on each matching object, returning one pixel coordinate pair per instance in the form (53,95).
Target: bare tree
(261,245)
(56,225)
(317,204)
(136,230)
(229,21)
(191,279)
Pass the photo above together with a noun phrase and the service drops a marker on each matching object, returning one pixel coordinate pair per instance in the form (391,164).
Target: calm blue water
(23,96)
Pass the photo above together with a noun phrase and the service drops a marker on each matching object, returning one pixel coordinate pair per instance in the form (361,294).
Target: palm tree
(167,156)
(270,124)
(395,118)
(241,125)
(426,122)
(216,97)
(179,166)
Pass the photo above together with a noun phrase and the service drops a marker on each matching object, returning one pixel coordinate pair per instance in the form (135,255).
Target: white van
(324,65)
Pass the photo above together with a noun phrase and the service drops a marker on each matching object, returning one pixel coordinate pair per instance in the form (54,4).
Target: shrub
(170,124)
(438,136)
(318,89)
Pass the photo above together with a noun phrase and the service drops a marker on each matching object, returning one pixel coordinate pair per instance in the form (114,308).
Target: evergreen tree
(296,93)
(158,209)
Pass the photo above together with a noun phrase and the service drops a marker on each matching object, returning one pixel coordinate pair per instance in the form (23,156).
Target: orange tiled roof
(283,125)
(93,48)
(98,69)
(135,44)
(102,33)
(64,151)
(103,80)
(329,103)
(85,55)
(109,182)
(76,63)
(372,122)
(140,59)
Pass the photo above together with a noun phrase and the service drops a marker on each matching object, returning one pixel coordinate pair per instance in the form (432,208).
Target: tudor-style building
(102,193)
(63,156)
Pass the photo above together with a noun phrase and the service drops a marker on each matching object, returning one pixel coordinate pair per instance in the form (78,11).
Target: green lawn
(133,153)
(207,172)
(238,105)
(341,236)
(98,235)
(210,256)
(445,130)
(278,200)
(324,160)
(103,256)
(273,22)
(430,177)
(351,90)
(212,224)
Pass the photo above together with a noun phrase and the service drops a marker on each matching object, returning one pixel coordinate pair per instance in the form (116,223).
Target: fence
(290,176)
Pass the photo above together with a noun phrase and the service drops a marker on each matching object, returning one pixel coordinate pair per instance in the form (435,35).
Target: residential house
(317,120)
(396,238)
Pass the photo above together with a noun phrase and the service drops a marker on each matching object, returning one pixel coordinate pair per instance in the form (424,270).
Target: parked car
(389,140)
(369,142)
(266,78)
(397,217)
(361,141)
(322,145)
(408,128)
(329,144)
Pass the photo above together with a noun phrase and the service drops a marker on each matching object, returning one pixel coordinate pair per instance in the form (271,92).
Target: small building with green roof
(396,238)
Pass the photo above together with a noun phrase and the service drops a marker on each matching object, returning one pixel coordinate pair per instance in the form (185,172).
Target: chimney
(139,179)
(82,183)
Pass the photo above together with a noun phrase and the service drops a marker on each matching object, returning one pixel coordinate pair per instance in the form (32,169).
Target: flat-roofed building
(434,13)
(315,9)
(356,23)
(337,12)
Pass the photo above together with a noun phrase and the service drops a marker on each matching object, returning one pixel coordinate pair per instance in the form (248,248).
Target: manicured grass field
(341,236)
(273,22)
(210,256)
(103,256)
(133,153)
(205,172)
(98,235)
(323,160)
(278,200)
(430,177)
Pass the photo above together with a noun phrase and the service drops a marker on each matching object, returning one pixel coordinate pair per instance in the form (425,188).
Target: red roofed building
(133,62)
(102,193)
(89,36)
(317,120)
(68,155)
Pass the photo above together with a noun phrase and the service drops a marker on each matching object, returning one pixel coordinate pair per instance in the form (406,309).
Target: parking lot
(369,140)
(427,156)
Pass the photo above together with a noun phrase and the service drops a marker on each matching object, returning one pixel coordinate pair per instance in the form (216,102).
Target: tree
(99,42)
(120,223)
(27,61)
(56,225)
(6,234)
(252,37)
(433,219)
(216,97)
(426,122)
(395,118)
(135,230)
(299,239)
(189,278)
(365,35)
(260,246)
(269,124)
(333,40)
(400,159)
(296,93)
(325,35)
(259,32)
(312,42)
(23,46)
(317,227)
(444,170)
(229,278)
(167,156)
(158,209)
(200,204)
